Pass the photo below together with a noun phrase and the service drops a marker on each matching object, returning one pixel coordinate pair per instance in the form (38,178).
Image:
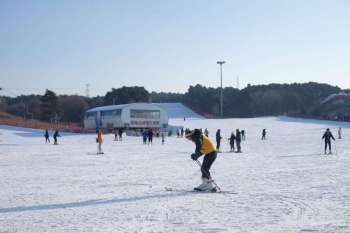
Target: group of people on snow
(180,132)
(234,138)
(147,136)
(118,133)
(203,146)
(240,135)
(55,136)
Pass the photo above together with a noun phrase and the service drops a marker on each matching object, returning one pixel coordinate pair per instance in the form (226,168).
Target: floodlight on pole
(221,94)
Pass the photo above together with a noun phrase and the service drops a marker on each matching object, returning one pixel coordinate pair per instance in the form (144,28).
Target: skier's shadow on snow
(89,203)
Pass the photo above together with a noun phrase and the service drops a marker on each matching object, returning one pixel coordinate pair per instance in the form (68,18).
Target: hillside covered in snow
(282,184)
(178,110)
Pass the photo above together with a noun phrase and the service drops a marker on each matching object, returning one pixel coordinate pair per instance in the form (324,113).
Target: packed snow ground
(283,184)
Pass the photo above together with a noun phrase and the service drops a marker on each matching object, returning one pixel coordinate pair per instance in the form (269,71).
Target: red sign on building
(144,123)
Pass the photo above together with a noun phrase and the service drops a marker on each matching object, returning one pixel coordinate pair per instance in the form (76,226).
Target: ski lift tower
(221,94)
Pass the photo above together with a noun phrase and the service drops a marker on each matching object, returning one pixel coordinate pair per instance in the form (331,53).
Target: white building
(137,116)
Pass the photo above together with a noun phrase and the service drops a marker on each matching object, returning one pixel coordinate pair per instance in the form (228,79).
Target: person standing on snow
(263,134)
(238,141)
(218,140)
(150,136)
(115,134)
(327,136)
(145,136)
(55,135)
(339,133)
(47,136)
(120,133)
(99,140)
(163,137)
(232,141)
(203,146)
(243,135)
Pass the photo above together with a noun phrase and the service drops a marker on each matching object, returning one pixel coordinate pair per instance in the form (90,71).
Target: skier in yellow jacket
(99,140)
(206,147)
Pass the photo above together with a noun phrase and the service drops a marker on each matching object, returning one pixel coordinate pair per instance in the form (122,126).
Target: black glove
(195,156)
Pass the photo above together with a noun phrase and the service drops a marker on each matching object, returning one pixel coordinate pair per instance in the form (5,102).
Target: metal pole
(221,96)
(221,90)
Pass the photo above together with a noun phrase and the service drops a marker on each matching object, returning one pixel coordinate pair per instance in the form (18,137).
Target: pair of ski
(168,189)
(216,188)
(89,153)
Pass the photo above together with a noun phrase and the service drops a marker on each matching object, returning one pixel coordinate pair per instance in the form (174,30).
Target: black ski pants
(238,143)
(218,144)
(207,162)
(327,143)
(232,144)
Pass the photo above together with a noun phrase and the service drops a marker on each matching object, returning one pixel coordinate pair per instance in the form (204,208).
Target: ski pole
(211,179)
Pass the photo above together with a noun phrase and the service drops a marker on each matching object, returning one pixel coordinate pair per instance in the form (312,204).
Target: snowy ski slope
(283,184)
(178,110)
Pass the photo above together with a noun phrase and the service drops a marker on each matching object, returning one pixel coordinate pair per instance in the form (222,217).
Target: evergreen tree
(126,95)
(50,108)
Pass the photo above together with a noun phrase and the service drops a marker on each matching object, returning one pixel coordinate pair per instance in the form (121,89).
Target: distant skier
(238,141)
(120,134)
(145,136)
(115,134)
(178,133)
(99,140)
(218,139)
(150,136)
(206,132)
(243,135)
(263,134)
(182,132)
(339,133)
(203,146)
(232,141)
(47,136)
(55,136)
(327,136)
(163,137)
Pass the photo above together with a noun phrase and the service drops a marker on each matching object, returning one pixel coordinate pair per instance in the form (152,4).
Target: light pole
(221,95)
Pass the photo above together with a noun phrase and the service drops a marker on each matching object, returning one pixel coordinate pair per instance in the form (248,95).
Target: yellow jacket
(206,146)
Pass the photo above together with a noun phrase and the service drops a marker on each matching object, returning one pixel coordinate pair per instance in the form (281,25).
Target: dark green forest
(302,100)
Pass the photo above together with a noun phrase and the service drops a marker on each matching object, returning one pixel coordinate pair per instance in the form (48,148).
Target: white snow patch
(283,184)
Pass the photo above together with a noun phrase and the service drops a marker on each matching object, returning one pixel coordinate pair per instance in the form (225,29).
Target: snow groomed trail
(282,184)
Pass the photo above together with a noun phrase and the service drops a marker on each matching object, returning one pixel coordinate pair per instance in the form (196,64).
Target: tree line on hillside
(260,100)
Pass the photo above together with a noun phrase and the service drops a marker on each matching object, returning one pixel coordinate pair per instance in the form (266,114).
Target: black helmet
(194,134)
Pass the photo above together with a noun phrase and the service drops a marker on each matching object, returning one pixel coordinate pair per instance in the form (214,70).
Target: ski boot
(206,186)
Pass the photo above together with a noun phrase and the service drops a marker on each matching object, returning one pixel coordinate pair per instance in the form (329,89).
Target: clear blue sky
(168,45)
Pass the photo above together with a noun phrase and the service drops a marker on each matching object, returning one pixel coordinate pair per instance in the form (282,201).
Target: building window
(145,114)
(111,113)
